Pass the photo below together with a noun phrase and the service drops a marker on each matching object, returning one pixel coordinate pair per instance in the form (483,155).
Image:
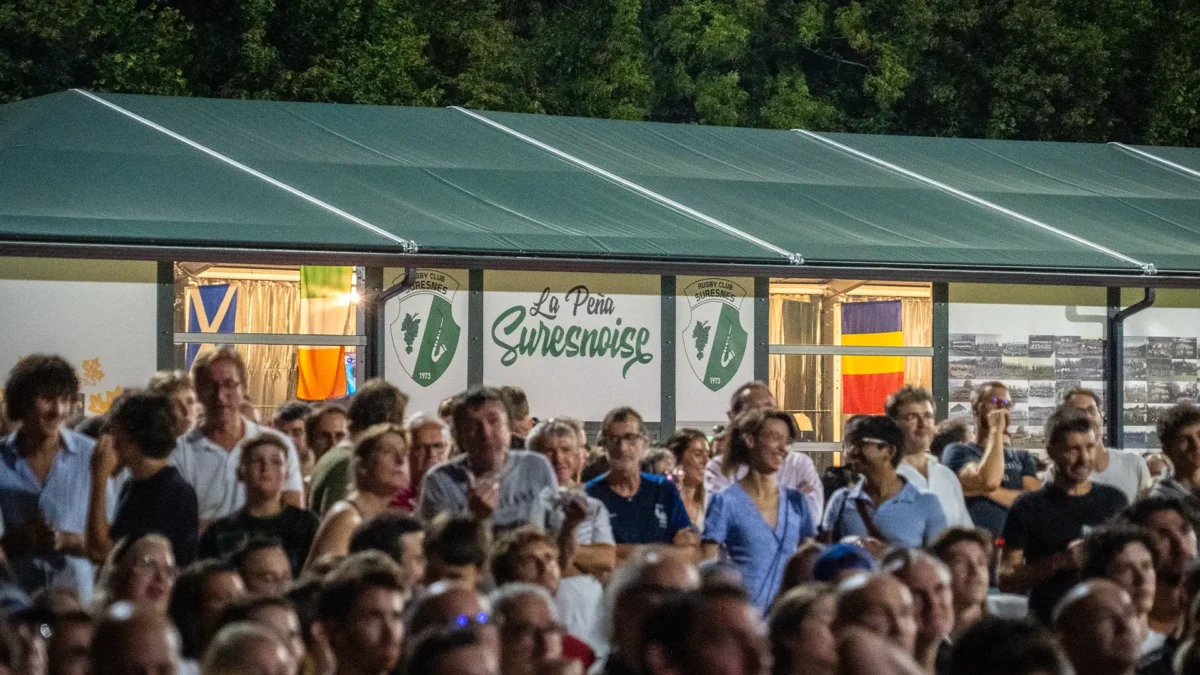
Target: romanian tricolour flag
(210,309)
(325,310)
(867,380)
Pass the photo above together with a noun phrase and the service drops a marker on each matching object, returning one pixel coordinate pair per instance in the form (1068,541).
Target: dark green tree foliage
(1079,70)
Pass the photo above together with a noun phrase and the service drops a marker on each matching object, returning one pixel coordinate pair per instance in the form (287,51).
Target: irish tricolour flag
(324,309)
(867,380)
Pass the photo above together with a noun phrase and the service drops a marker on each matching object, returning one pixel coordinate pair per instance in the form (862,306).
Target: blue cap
(839,558)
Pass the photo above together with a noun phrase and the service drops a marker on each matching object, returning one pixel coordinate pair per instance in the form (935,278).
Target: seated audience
(263,565)
(1042,534)
(489,481)
(799,568)
(452,651)
(757,522)
(882,507)
(711,630)
(968,554)
(399,537)
(928,580)
(839,562)
(202,592)
(326,427)
(67,648)
(457,549)
(1126,556)
(377,401)
(1126,471)
(265,513)
(291,420)
(1179,433)
(209,455)
(244,647)
(801,631)
(430,440)
(45,479)
(879,604)
(690,449)
(380,470)
(1097,625)
(176,385)
(912,408)
(798,471)
(155,499)
(996,646)
(456,605)
(360,610)
(992,474)
(134,640)
(595,550)
(644,509)
(277,615)
(528,555)
(141,571)
(530,633)
(639,586)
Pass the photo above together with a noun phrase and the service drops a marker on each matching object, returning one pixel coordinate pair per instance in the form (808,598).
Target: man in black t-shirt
(155,499)
(262,467)
(1042,535)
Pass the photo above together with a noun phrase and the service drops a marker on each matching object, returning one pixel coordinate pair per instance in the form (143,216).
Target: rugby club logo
(714,338)
(424,333)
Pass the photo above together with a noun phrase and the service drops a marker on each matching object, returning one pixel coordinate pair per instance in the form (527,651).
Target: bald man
(880,604)
(861,652)
(241,648)
(454,603)
(641,585)
(133,640)
(1097,624)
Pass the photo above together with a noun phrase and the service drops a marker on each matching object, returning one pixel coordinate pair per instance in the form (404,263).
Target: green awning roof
(128,171)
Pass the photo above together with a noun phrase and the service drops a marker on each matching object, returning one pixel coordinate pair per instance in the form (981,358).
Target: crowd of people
(177,533)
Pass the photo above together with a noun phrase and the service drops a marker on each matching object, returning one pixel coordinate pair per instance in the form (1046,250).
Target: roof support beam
(793,258)
(1147,268)
(1156,159)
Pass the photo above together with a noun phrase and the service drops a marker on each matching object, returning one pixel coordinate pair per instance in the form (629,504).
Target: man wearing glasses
(992,475)
(644,509)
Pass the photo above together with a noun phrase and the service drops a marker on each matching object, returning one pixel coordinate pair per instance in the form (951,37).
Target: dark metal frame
(1114,353)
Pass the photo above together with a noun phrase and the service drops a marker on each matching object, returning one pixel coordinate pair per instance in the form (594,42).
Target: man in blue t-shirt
(643,509)
(992,475)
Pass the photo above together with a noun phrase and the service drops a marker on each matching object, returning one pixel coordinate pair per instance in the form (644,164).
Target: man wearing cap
(841,561)
(883,505)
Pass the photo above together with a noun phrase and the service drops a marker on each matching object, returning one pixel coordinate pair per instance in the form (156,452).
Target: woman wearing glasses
(141,571)
(758,522)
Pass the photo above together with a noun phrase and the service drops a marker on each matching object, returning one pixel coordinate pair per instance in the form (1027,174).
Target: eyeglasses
(149,565)
(1002,402)
(468,620)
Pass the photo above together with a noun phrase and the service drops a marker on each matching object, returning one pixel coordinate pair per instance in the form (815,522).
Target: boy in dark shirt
(262,469)
(155,498)
(1042,535)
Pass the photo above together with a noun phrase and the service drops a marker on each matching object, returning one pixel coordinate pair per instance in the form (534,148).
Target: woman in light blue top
(758,522)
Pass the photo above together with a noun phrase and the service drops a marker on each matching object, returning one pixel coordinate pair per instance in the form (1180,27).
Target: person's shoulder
(1110,494)
(529,459)
(255,429)
(798,458)
(338,454)
(299,515)
(597,487)
(76,442)
(965,448)
(659,483)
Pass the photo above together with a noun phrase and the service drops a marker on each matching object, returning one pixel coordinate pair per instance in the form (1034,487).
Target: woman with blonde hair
(380,471)
(140,571)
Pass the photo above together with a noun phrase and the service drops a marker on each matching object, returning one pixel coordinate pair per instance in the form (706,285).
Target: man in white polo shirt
(912,408)
(207,457)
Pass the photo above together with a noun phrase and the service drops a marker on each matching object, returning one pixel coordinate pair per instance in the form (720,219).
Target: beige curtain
(266,306)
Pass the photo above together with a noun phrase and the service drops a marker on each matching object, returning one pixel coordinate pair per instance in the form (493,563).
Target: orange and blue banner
(868,380)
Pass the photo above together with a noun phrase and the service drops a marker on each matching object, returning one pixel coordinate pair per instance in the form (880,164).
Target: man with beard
(1042,550)
(1126,471)
(360,611)
(1171,524)
(1098,627)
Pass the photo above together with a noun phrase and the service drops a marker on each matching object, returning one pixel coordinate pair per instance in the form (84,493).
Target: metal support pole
(164,336)
(762,328)
(373,321)
(941,349)
(475,328)
(667,396)
(1114,352)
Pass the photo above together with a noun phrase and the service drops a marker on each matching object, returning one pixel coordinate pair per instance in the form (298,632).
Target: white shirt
(212,470)
(798,472)
(1126,471)
(578,601)
(943,483)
